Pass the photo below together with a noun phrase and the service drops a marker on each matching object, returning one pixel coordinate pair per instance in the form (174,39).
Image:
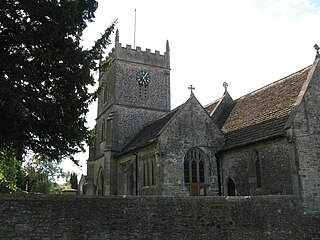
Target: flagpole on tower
(134,34)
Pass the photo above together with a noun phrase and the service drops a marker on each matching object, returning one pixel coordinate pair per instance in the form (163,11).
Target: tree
(41,173)
(9,168)
(74,181)
(45,74)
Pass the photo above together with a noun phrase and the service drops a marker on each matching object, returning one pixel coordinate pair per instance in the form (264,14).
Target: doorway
(231,188)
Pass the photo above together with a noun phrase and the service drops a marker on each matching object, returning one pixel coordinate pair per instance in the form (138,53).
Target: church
(264,143)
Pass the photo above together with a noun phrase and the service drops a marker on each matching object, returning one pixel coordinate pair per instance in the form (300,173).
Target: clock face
(143,77)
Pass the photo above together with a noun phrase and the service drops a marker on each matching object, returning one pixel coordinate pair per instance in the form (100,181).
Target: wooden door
(198,189)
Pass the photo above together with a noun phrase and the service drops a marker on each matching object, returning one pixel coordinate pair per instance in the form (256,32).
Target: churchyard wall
(29,216)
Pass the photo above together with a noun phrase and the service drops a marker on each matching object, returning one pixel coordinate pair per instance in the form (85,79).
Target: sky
(247,43)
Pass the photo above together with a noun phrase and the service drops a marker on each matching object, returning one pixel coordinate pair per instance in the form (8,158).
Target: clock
(143,77)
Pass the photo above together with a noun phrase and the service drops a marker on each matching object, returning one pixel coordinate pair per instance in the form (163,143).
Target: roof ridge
(217,100)
(273,83)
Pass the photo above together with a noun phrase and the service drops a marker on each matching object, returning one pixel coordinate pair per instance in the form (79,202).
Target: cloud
(291,8)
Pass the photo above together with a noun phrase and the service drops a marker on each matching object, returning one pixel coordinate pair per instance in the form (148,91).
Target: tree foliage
(45,74)
(41,174)
(9,168)
(74,181)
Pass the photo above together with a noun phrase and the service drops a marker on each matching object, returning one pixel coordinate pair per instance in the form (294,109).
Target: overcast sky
(247,43)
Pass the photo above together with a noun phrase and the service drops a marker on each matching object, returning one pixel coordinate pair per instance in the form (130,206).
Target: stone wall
(26,217)
(277,168)
(191,127)
(130,121)
(306,138)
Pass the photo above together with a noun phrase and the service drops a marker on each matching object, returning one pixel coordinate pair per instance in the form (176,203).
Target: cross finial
(225,85)
(317,48)
(191,88)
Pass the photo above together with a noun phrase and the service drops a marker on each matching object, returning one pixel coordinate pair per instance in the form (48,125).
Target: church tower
(134,91)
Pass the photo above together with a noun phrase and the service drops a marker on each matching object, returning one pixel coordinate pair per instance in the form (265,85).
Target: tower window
(109,136)
(103,130)
(110,130)
(105,94)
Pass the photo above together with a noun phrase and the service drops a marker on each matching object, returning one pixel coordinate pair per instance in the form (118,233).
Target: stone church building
(264,143)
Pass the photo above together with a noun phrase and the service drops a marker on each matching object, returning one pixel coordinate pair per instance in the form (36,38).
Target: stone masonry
(39,217)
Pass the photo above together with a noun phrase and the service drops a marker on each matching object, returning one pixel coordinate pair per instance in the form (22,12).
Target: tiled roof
(256,132)
(149,133)
(264,112)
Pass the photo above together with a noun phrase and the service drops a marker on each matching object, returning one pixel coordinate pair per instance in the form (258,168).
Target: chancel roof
(263,113)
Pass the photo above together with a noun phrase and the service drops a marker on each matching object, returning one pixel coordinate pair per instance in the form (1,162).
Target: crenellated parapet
(137,55)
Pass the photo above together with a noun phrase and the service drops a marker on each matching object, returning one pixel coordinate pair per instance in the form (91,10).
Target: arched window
(201,171)
(145,169)
(152,173)
(110,130)
(186,172)
(148,164)
(195,172)
(258,173)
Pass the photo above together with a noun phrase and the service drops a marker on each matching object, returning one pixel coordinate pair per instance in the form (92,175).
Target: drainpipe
(137,193)
(219,174)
